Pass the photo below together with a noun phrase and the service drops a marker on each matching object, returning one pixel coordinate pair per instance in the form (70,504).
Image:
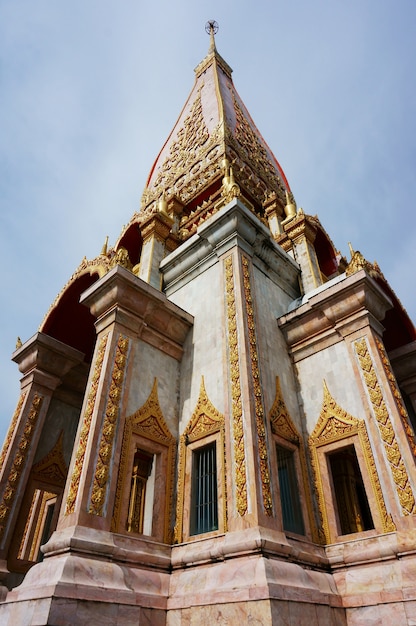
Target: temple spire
(211,27)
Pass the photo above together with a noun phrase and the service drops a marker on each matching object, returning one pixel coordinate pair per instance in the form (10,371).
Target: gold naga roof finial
(18,343)
(211,27)
(352,251)
(290,208)
(105,246)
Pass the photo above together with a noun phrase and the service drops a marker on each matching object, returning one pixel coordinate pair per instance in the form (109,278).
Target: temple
(216,417)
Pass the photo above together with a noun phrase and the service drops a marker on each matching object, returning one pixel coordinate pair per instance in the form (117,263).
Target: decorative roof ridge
(213,58)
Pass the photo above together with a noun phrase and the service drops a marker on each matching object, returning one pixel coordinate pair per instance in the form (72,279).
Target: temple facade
(216,417)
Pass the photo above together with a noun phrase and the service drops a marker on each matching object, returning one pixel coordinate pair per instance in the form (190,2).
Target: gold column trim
(12,484)
(206,420)
(236,404)
(385,427)
(85,429)
(282,425)
(397,396)
(258,396)
(12,426)
(335,424)
(148,421)
(105,450)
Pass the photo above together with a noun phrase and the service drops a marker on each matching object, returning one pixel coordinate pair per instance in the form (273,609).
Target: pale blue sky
(90,90)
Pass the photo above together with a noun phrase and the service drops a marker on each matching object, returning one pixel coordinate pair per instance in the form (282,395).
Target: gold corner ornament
(205,420)
(147,422)
(19,460)
(236,404)
(397,396)
(335,424)
(11,430)
(282,426)
(359,262)
(85,429)
(385,427)
(258,396)
(105,450)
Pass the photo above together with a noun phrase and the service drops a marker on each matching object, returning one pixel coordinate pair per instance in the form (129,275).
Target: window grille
(204,498)
(289,491)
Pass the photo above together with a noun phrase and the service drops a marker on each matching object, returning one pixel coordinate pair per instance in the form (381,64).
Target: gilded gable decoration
(11,430)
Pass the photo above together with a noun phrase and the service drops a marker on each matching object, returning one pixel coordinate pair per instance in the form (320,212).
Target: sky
(89,92)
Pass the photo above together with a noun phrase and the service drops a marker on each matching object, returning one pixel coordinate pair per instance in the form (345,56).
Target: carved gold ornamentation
(19,461)
(205,421)
(12,427)
(82,446)
(387,434)
(105,451)
(335,424)
(147,422)
(397,396)
(52,467)
(258,396)
(283,427)
(236,406)
(358,262)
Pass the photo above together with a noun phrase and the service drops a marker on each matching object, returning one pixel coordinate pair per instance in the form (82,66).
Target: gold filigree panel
(205,421)
(282,426)
(335,424)
(148,422)
(385,427)
(397,396)
(105,450)
(12,427)
(236,403)
(12,483)
(258,396)
(85,429)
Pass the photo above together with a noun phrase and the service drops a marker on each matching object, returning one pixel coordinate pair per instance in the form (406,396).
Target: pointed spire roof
(214,130)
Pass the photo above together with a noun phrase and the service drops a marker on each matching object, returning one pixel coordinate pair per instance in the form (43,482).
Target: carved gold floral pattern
(19,461)
(149,423)
(397,396)
(86,425)
(236,406)
(258,397)
(205,421)
(335,424)
(10,432)
(283,426)
(387,434)
(105,451)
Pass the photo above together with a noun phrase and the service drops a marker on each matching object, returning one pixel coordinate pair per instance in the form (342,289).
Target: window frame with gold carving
(205,427)
(146,431)
(335,432)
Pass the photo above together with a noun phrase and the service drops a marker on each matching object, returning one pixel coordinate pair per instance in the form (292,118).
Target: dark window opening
(353,509)
(204,498)
(142,468)
(289,491)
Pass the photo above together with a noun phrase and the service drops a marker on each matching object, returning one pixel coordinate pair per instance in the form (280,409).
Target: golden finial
(104,248)
(211,27)
(18,343)
(290,208)
(352,251)
(163,204)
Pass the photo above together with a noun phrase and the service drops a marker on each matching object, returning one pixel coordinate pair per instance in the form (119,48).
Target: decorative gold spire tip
(105,246)
(18,343)
(211,27)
